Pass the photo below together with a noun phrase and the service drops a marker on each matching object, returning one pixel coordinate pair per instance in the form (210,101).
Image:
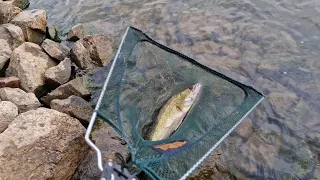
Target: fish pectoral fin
(179,108)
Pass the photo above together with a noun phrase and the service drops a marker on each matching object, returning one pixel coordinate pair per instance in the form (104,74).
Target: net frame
(142,165)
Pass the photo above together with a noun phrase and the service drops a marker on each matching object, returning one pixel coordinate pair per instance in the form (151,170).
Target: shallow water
(269,44)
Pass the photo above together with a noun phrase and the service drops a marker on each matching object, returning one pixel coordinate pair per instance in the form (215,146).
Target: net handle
(94,115)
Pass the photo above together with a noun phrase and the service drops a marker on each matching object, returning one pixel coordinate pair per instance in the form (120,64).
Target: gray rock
(55,50)
(23,4)
(91,51)
(5,53)
(12,82)
(33,24)
(42,144)
(58,75)
(12,34)
(8,111)
(74,87)
(7,12)
(74,106)
(24,101)
(29,63)
(76,33)
(53,33)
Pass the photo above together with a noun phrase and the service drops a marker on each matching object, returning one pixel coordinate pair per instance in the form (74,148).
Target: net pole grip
(91,144)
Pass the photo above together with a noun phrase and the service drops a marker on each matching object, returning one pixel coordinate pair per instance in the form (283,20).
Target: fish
(173,112)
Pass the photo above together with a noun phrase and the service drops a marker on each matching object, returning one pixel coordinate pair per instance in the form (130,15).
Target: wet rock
(12,82)
(91,51)
(33,24)
(53,33)
(227,51)
(55,50)
(29,63)
(42,144)
(74,106)
(5,53)
(74,87)
(76,32)
(109,142)
(209,47)
(23,4)
(58,75)
(7,12)
(12,34)
(24,101)
(282,101)
(216,62)
(8,111)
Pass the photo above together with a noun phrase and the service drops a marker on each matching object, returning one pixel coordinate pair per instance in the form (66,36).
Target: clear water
(272,45)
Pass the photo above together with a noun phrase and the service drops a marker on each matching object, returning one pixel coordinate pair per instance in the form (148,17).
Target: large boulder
(33,24)
(58,75)
(7,12)
(12,34)
(74,106)
(76,33)
(55,50)
(12,82)
(5,53)
(23,4)
(8,111)
(24,101)
(74,87)
(28,62)
(91,51)
(42,144)
(53,33)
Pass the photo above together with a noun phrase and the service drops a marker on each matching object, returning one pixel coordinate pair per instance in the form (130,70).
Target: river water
(272,45)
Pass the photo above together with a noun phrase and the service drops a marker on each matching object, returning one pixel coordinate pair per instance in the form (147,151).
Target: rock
(29,63)
(7,12)
(42,144)
(5,53)
(24,101)
(58,75)
(209,47)
(76,33)
(74,87)
(33,24)
(91,51)
(12,82)
(12,34)
(55,50)
(23,4)
(225,50)
(244,129)
(74,106)
(8,111)
(53,33)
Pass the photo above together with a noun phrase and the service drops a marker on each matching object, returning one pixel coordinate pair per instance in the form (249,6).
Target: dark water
(270,44)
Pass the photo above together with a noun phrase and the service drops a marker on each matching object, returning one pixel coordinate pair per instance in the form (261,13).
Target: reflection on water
(270,44)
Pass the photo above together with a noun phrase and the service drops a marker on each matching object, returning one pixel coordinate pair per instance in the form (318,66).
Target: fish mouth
(196,88)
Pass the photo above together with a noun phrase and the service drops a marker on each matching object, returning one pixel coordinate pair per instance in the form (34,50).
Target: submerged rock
(12,82)
(29,63)
(7,12)
(53,33)
(74,87)
(24,101)
(23,4)
(33,24)
(42,144)
(74,106)
(12,34)
(55,50)
(8,111)
(91,51)
(5,53)
(76,32)
(58,75)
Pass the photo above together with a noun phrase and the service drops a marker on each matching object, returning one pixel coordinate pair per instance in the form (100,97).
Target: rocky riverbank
(44,106)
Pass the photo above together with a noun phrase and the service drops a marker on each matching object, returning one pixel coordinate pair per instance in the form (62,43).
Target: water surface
(272,45)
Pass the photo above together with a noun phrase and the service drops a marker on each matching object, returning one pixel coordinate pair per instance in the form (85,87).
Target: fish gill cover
(143,76)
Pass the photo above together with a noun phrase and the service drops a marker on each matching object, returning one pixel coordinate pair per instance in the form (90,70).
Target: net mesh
(144,75)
